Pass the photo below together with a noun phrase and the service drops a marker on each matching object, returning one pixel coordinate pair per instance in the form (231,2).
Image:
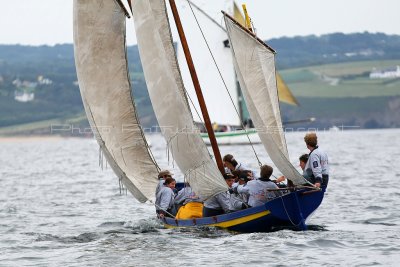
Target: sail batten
(167,94)
(100,58)
(254,62)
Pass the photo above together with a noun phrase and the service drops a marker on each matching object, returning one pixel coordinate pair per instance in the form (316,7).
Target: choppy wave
(58,207)
(81,238)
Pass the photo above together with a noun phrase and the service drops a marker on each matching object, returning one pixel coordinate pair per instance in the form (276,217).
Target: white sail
(166,92)
(209,17)
(100,58)
(255,65)
(218,102)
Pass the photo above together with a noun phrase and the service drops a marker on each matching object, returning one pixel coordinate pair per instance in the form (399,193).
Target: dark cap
(243,176)
(228,176)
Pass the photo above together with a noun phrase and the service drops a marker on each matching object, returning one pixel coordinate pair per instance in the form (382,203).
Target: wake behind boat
(100,54)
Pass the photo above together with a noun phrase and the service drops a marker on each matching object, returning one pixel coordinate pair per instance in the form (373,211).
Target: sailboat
(226,105)
(101,63)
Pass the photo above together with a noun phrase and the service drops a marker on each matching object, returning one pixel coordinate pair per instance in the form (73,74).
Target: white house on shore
(22,96)
(393,72)
(25,90)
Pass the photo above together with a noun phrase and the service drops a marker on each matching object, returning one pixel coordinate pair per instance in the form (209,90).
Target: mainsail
(218,102)
(255,66)
(101,63)
(168,98)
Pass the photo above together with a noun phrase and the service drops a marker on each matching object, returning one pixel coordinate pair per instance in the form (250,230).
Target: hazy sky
(49,22)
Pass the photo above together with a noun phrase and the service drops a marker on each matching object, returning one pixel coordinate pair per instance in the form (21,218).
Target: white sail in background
(208,14)
(255,66)
(166,89)
(101,63)
(218,102)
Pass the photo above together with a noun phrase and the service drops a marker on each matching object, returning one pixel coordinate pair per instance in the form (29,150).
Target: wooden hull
(289,211)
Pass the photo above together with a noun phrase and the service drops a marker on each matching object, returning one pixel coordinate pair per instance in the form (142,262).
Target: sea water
(59,208)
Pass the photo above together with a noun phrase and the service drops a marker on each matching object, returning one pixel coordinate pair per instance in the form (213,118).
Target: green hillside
(352,100)
(328,74)
(343,95)
(341,80)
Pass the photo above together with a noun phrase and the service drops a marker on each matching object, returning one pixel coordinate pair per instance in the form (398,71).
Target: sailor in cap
(162,175)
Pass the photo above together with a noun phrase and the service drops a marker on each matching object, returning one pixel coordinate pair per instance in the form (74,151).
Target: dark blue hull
(289,211)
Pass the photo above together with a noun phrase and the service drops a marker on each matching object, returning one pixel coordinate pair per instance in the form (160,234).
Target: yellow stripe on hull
(230,223)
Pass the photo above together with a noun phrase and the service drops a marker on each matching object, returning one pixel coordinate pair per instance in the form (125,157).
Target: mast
(197,87)
(130,5)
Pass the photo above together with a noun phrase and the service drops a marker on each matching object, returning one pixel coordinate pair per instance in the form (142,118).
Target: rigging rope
(194,107)
(162,209)
(223,81)
(287,213)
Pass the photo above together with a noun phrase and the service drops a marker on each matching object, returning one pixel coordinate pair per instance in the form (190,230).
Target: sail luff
(101,63)
(255,65)
(167,95)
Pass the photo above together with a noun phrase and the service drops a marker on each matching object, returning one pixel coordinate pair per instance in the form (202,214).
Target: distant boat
(215,93)
(100,56)
(236,137)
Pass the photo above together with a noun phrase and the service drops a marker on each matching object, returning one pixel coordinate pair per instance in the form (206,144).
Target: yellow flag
(238,16)
(284,92)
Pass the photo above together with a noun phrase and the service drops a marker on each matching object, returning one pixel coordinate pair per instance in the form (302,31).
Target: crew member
(237,201)
(231,164)
(258,190)
(218,204)
(165,198)
(162,175)
(188,204)
(302,163)
(317,167)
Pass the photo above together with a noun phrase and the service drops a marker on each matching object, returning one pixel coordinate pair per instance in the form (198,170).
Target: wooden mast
(130,5)
(196,84)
